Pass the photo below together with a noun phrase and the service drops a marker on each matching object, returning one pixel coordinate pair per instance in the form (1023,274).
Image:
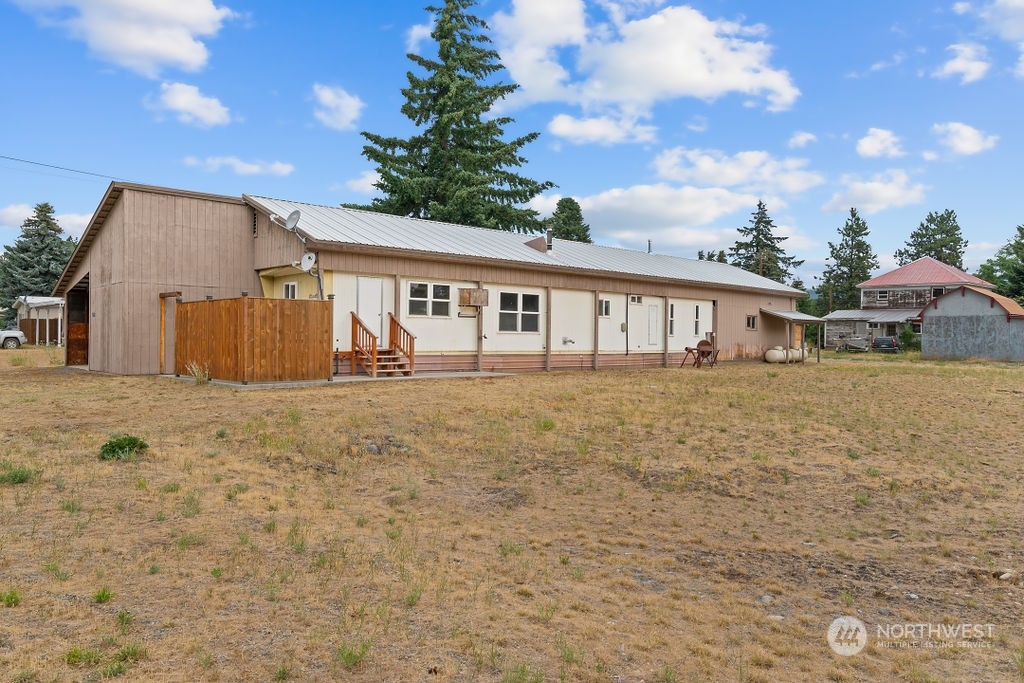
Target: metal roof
(1013,309)
(341,226)
(793,316)
(925,271)
(881,315)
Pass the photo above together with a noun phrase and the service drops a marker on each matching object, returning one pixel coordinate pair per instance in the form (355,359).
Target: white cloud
(753,171)
(960,138)
(970,63)
(73,224)
(239,167)
(13,216)
(1006,18)
(415,36)
(801,139)
(882,191)
(365,183)
(602,129)
(961,7)
(191,106)
(896,60)
(698,124)
(633,63)
(679,52)
(337,109)
(647,208)
(145,37)
(879,143)
(929,155)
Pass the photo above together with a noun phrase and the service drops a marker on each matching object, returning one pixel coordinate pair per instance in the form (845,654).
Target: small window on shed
(938,291)
(751,322)
(604,308)
(291,290)
(636,299)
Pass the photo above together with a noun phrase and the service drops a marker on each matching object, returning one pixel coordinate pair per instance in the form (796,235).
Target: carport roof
(882,315)
(793,316)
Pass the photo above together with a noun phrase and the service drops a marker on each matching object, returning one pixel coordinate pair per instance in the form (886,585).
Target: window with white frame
(426,298)
(291,290)
(636,299)
(604,308)
(872,326)
(518,312)
(671,320)
(751,322)
(696,320)
(937,292)
(883,295)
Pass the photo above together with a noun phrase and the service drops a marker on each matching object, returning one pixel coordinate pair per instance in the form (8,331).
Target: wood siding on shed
(154,242)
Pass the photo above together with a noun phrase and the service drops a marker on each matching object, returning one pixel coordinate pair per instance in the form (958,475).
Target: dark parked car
(885,344)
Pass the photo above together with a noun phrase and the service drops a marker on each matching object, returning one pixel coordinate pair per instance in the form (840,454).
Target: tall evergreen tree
(937,236)
(1006,268)
(457,168)
(721,258)
(567,221)
(760,252)
(851,261)
(32,266)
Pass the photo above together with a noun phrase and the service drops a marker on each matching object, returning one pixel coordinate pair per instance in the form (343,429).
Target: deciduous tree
(1006,268)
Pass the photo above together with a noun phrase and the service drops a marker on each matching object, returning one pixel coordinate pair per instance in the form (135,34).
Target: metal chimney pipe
(551,235)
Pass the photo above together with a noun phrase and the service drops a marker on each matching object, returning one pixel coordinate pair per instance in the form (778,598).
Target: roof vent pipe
(648,246)
(551,234)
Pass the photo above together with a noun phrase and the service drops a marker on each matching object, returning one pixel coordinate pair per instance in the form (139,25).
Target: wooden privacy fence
(252,339)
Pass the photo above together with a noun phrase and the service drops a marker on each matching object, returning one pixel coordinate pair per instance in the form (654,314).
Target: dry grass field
(658,525)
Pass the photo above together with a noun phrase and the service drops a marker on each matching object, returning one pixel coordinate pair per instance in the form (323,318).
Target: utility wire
(59,168)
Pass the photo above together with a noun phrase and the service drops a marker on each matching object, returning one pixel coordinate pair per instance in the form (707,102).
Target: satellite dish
(292,220)
(308,261)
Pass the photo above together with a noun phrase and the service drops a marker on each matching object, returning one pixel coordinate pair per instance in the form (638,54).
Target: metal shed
(970,322)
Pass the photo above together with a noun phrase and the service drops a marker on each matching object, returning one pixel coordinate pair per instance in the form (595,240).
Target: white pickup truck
(12,339)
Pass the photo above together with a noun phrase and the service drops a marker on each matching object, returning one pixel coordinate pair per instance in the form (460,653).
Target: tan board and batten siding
(155,241)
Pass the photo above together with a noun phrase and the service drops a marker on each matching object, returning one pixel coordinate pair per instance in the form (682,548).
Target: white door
(370,303)
(652,326)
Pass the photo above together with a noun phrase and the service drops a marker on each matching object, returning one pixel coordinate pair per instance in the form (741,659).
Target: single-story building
(41,318)
(473,299)
(972,322)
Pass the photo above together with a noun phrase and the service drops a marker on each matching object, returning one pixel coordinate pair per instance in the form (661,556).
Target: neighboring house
(41,318)
(894,299)
(971,322)
(475,299)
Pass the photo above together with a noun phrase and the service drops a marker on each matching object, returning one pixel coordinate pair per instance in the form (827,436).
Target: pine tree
(850,263)
(700,254)
(1006,268)
(32,266)
(761,252)
(722,258)
(458,168)
(567,221)
(937,236)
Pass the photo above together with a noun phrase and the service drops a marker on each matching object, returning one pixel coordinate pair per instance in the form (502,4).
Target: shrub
(15,474)
(122,447)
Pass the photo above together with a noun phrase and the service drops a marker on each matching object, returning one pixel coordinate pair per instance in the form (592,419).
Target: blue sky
(666,121)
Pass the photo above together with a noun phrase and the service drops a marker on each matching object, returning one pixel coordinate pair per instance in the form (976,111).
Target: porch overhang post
(547,329)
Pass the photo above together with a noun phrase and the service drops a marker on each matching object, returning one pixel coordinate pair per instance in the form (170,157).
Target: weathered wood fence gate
(251,339)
